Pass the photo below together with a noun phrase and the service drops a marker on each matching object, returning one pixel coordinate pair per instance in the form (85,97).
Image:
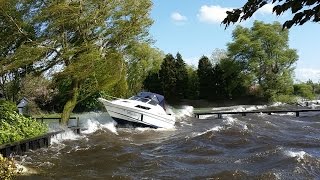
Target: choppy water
(256,146)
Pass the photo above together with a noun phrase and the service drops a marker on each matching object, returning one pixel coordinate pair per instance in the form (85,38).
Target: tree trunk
(70,104)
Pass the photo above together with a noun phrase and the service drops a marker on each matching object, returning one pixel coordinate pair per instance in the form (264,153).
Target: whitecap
(66,135)
(300,155)
(92,126)
(214,129)
(181,112)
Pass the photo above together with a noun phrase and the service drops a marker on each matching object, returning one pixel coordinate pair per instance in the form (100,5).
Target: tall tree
(234,80)
(168,77)
(143,59)
(267,57)
(205,77)
(88,39)
(193,83)
(15,31)
(182,77)
(303,11)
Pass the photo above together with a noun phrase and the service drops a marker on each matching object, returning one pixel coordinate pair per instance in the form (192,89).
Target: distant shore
(225,102)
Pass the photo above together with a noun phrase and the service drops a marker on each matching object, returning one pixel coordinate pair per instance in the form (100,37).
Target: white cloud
(215,14)
(177,17)
(212,14)
(266,9)
(304,74)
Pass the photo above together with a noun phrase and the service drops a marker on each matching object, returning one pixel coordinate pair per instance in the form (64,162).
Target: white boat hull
(136,117)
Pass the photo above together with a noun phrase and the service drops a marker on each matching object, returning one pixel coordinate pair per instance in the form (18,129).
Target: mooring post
(297,114)
(219,116)
(77,121)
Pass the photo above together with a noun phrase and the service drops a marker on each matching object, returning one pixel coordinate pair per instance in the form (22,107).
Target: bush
(7,106)
(304,90)
(15,127)
(284,99)
(8,169)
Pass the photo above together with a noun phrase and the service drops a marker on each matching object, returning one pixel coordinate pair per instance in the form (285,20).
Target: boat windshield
(145,100)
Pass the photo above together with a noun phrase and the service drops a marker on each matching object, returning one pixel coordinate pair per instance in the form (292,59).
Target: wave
(300,155)
(92,126)
(180,112)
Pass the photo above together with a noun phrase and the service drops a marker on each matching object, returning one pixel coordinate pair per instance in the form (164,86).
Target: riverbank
(201,103)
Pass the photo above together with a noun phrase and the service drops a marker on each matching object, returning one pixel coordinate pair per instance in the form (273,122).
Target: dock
(244,113)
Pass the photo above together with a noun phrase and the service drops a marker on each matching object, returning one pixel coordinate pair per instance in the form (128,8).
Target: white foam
(92,126)
(276,104)
(144,129)
(21,169)
(229,120)
(181,112)
(67,135)
(214,129)
(300,155)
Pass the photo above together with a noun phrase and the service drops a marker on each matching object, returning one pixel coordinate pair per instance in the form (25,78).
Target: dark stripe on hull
(121,123)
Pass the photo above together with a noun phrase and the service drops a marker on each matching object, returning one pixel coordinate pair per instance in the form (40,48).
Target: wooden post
(219,116)
(243,114)
(42,119)
(77,121)
(297,114)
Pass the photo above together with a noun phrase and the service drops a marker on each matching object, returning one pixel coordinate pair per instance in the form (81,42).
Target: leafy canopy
(303,11)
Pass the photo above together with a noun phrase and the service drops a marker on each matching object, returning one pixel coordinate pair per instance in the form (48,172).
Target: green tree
(192,91)
(90,40)
(143,59)
(182,77)
(205,77)
(15,32)
(303,11)
(153,83)
(234,80)
(266,56)
(304,90)
(168,77)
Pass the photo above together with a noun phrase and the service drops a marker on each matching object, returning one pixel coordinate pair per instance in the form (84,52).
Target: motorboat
(146,109)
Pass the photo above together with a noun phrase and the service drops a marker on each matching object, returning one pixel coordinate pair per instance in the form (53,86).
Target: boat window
(134,98)
(143,107)
(145,100)
(152,102)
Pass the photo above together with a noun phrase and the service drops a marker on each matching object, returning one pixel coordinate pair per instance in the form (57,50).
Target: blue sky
(193,28)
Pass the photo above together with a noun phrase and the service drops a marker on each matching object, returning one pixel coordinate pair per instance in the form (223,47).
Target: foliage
(304,90)
(182,77)
(192,90)
(285,98)
(7,106)
(153,83)
(265,56)
(38,91)
(205,76)
(167,75)
(15,127)
(234,80)
(15,31)
(89,40)
(141,61)
(8,169)
(303,10)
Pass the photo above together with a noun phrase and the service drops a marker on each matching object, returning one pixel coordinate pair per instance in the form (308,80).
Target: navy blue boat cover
(156,97)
